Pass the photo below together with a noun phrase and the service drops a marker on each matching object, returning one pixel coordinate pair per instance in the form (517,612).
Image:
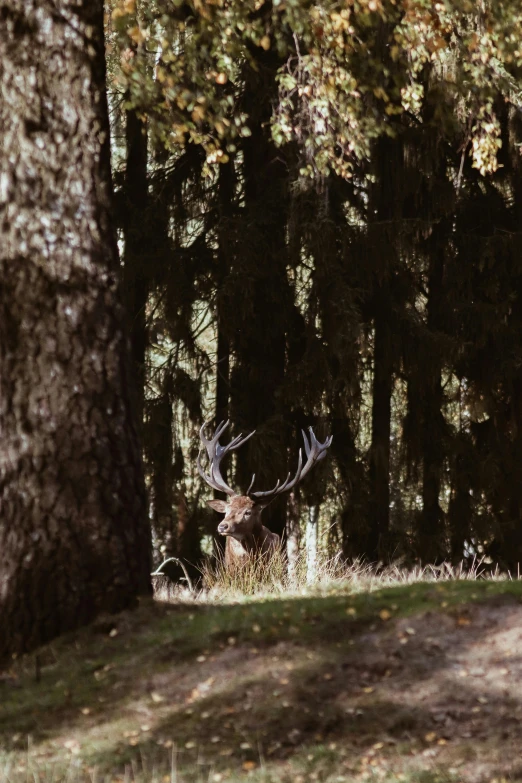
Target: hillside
(417,682)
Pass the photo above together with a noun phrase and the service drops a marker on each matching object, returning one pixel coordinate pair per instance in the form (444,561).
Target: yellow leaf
(198,114)
(463,621)
(136,34)
(351,611)
(385,614)
(248,765)
(430,736)
(265,42)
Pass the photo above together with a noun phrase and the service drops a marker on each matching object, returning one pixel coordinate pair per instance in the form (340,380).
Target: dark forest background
(319,211)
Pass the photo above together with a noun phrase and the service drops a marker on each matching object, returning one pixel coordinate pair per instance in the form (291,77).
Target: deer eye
(247,513)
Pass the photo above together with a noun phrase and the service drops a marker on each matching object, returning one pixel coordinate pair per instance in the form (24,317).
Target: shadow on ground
(406,679)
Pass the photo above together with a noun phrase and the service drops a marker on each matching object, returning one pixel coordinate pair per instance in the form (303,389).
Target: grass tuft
(269,577)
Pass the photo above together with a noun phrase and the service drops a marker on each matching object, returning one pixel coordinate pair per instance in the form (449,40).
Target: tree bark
(74,538)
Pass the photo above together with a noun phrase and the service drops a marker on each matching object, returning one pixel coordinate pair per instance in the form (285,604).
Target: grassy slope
(279,690)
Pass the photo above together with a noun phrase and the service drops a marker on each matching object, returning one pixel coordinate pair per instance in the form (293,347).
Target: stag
(242,526)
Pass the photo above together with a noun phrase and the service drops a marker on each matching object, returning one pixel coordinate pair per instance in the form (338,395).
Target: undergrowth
(269,576)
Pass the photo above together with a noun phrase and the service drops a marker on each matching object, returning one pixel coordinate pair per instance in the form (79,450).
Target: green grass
(275,688)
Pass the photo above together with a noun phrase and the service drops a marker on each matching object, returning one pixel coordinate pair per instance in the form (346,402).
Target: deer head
(243,512)
(242,517)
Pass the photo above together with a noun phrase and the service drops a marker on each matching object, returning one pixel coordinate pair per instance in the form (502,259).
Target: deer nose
(222,527)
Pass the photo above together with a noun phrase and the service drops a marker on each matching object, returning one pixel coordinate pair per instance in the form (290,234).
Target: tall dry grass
(269,576)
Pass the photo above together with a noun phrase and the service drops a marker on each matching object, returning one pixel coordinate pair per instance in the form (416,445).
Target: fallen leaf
(385,614)
(248,765)
(463,621)
(156,697)
(430,736)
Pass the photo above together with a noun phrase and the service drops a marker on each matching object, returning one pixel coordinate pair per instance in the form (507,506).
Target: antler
(315,452)
(216,452)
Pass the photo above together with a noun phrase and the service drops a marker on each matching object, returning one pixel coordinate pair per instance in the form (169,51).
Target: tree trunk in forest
(509,545)
(74,537)
(260,343)
(293,536)
(136,234)
(225,260)
(431,531)
(385,214)
(379,467)
(460,511)
(165,472)
(311,539)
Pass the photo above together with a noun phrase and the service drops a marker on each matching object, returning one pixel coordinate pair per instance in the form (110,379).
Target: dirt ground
(407,684)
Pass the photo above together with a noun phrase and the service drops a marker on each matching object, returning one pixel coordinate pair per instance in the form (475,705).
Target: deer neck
(250,542)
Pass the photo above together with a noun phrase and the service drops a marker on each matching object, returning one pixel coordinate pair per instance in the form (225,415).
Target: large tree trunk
(74,538)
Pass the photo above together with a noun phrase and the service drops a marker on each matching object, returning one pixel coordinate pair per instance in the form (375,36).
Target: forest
(269,250)
(319,210)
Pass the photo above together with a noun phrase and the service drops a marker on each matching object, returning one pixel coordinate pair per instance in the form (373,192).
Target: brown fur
(243,529)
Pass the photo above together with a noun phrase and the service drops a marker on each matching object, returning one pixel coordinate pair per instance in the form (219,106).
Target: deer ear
(218,505)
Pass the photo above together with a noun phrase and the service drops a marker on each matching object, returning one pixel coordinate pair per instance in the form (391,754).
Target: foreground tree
(74,538)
